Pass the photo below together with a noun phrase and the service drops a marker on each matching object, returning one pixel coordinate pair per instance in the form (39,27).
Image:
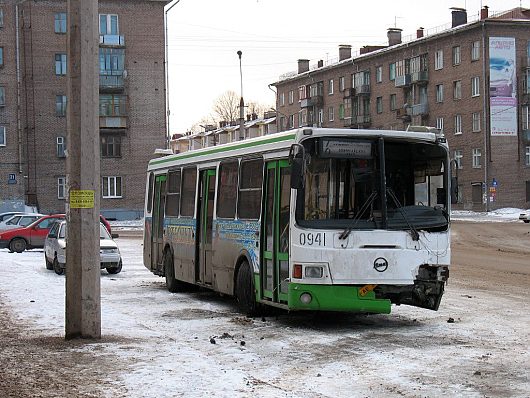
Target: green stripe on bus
(190,154)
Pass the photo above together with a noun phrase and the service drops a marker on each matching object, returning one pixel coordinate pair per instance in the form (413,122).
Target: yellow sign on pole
(82,199)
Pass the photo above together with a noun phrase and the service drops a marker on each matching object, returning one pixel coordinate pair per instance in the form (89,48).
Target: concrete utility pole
(241,103)
(83,297)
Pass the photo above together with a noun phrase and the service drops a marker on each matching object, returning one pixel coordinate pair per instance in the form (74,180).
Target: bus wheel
(172,284)
(245,295)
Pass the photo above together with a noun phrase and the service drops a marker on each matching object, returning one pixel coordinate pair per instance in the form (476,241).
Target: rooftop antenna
(395,20)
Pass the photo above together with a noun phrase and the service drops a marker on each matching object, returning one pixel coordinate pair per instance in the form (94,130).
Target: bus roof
(281,141)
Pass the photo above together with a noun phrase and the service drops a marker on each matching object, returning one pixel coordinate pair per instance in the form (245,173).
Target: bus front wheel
(245,294)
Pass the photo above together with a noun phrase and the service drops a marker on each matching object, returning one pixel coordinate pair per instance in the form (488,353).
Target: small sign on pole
(82,199)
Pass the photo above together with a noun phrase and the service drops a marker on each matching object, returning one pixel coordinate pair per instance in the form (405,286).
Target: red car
(32,236)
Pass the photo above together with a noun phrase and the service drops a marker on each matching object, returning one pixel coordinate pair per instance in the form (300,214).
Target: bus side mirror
(454,190)
(297,161)
(297,173)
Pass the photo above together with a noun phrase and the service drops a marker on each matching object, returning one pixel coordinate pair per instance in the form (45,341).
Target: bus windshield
(345,179)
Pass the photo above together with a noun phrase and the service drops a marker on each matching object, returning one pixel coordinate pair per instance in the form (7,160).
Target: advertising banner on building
(503,86)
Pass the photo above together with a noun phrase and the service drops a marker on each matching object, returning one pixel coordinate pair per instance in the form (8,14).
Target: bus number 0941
(313,239)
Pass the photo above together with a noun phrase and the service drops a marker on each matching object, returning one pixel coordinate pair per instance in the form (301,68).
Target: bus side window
(249,203)
(227,189)
(173,193)
(189,182)
(150,193)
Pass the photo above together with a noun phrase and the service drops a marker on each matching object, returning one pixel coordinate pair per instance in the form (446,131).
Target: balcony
(363,89)
(111,82)
(112,122)
(316,100)
(421,77)
(404,114)
(419,110)
(112,40)
(402,81)
(363,119)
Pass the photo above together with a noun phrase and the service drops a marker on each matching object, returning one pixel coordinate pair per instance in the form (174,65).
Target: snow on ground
(507,214)
(197,344)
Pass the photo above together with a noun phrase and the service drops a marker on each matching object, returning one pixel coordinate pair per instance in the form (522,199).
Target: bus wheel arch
(172,284)
(244,289)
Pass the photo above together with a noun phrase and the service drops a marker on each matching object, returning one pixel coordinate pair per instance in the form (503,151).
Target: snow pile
(507,214)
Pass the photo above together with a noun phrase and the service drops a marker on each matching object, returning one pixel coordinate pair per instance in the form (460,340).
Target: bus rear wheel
(245,292)
(172,284)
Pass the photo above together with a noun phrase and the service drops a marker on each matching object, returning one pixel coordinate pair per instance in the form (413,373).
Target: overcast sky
(205,35)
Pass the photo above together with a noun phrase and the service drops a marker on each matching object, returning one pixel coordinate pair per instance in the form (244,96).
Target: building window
(108,24)
(60,64)
(379,74)
(2,135)
(111,61)
(458,159)
(291,96)
(110,146)
(456,55)
(227,192)
(475,50)
(2,96)
(342,83)
(330,87)
(291,121)
(302,93)
(458,124)
(111,187)
(525,117)
(61,187)
(476,121)
(341,111)
(331,114)
(528,191)
(393,104)
(112,105)
(526,154)
(1,56)
(475,86)
(392,71)
(320,117)
(1,18)
(60,22)
(457,89)
(477,154)
(61,147)
(249,198)
(379,104)
(60,105)
(438,59)
(282,99)
(439,93)
(440,123)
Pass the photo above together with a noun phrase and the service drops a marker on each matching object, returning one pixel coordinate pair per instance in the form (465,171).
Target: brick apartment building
(471,80)
(33,80)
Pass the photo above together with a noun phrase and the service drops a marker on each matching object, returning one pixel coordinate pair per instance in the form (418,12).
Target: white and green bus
(308,219)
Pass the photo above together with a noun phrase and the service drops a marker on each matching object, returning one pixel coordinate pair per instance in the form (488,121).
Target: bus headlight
(314,271)
(306,298)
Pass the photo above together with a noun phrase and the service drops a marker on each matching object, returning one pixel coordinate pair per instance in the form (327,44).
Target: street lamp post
(241,102)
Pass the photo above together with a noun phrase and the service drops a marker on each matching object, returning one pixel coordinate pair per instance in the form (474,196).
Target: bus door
(274,270)
(157,230)
(204,226)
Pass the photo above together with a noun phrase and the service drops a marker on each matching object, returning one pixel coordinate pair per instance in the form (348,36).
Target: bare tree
(257,108)
(226,107)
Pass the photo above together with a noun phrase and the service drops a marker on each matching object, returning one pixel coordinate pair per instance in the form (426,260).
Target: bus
(313,219)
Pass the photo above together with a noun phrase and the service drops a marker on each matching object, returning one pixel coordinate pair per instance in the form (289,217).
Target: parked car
(9,214)
(55,249)
(105,223)
(525,216)
(19,220)
(30,237)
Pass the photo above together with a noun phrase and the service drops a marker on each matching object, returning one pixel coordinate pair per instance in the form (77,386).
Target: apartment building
(33,81)
(471,80)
